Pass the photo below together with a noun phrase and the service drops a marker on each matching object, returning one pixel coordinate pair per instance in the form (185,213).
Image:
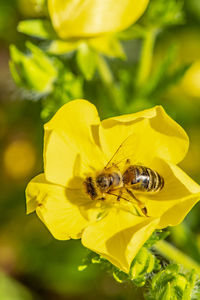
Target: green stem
(173,254)
(109,82)
(146,57)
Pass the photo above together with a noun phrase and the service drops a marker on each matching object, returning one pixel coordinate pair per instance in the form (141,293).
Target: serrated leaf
(86,60)
(37,28)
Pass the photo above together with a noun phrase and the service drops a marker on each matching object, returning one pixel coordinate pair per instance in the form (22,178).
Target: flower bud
(171,284)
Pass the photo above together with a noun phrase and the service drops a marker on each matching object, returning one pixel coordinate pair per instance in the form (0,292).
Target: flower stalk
(145,61)
(109,82)
(173,254)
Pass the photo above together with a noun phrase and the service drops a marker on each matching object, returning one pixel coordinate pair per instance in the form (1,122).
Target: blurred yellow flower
(190,84)
(94,23)
(19,158)
(72,18)
(186,39)
(78,145)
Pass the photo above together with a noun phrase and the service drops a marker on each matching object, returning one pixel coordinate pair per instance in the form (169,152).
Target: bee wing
(125,154)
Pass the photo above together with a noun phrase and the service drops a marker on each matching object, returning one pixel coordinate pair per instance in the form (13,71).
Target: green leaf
(86,60)
(37,28)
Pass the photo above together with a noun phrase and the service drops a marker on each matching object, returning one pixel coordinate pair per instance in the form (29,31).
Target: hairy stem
(173,254)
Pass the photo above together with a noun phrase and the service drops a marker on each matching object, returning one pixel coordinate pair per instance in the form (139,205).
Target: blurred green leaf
(193,9)
(34,71)
(162,13)
(10,289)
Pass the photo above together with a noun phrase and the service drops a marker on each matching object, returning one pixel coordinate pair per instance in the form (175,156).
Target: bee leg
(119,196)
(141,205)
(144,210)
(128,161)
(132,195)
(102,198)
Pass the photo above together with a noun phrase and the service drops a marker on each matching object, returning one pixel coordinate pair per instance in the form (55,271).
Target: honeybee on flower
(78,146)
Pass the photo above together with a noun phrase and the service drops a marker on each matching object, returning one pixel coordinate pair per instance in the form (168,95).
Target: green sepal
(37,28)
(133,32)
(109,46)
(156,236)
(59,47)
(143,264)
(86,60)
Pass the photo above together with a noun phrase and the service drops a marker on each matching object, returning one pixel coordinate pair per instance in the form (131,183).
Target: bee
(120,178)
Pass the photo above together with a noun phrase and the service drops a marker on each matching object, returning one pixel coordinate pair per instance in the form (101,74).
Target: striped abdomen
(143,179)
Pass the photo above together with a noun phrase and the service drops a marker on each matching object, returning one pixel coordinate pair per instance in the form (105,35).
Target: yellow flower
(93,22)
(78,145)
(72,18)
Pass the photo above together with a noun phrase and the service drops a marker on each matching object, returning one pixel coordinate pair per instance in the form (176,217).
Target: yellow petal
(54,206)
(177,197)
(190,82)
(156,133)
(72,18)
(71,148)
(118,236)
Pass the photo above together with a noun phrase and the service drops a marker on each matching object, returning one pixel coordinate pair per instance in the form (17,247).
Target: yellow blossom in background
(77,145)
(186,41)
(72,18)
(94,22)
(19,158)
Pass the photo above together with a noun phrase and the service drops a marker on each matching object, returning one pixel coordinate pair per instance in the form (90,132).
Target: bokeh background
(33,265)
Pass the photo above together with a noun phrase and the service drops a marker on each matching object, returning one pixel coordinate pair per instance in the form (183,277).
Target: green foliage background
(32,264)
